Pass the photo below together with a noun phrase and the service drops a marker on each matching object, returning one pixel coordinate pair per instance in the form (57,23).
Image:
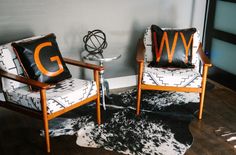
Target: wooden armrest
(140,51)
(204,59)
(82,64)
(24,80)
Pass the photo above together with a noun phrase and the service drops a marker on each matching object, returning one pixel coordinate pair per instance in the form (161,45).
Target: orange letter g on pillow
(54,58)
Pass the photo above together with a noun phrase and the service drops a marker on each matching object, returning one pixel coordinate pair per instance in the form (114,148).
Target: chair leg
(98,111)
(138,101)
(96,78)
(45,118)
(201,106)
(47,138)
(202,95)
(139,88)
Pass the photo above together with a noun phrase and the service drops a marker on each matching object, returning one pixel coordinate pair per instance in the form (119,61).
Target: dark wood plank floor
(19,134)
(219,111)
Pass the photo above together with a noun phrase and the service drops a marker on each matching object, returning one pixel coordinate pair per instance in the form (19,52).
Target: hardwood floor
(220,111)
(19,134)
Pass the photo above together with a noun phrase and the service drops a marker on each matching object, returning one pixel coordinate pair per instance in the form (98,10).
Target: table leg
(102,90)
(106,85)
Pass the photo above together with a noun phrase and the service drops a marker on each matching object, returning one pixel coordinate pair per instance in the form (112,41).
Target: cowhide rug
(162,127)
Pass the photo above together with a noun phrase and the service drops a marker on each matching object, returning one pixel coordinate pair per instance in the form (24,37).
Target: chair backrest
(147,39)
(10,63)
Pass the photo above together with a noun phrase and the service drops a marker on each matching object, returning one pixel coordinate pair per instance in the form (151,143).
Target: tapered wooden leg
(98,111)
(138,101)
(202,95)
(45,119)
(201,106)
(96,78)
(47,138)
(139,88)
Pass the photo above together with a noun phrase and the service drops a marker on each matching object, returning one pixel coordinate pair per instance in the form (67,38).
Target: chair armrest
(24,80)
(82,64)
(140,51)
(204,59)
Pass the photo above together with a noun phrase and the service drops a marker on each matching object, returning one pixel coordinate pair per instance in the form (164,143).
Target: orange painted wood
(170,88)
(82,64)
(204,78)
(45,118)
(204,59)
(139,87)
(140,51)
(96,78)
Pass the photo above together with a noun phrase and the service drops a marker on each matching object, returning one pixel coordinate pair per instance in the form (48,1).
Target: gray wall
(123,21)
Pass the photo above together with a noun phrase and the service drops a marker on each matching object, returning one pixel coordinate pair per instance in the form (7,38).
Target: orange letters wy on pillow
(170,52)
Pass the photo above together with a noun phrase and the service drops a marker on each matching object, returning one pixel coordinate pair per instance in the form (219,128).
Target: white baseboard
(122,82)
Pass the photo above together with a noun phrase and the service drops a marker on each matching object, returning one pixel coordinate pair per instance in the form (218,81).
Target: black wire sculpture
(95,42)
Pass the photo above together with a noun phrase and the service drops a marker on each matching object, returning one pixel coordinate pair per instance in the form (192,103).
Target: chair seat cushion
(60,96)
(177,77)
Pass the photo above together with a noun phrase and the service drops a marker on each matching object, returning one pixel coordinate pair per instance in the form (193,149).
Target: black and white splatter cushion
(62,95)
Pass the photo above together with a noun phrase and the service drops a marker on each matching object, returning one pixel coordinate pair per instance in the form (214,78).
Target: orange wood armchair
(44,113)
(140,58)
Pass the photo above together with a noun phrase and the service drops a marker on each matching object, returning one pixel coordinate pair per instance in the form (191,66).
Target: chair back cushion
(162,58)
(42,60)
(10,63)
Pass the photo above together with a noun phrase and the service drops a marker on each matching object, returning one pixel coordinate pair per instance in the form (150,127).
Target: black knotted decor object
(95,41)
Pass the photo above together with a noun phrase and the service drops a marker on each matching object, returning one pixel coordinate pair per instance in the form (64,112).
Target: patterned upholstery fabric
(10,63)
(177,77)
(148,46)
(61,95)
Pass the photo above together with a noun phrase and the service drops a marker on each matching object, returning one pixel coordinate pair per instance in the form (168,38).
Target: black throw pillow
(172,47)
(42,60)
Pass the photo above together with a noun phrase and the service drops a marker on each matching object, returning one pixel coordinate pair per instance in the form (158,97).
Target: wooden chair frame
(43,115)
(140,60)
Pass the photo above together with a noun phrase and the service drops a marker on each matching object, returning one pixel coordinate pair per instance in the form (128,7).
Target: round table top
(100,57)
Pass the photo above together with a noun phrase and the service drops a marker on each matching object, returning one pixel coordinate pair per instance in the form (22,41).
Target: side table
(103,82)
